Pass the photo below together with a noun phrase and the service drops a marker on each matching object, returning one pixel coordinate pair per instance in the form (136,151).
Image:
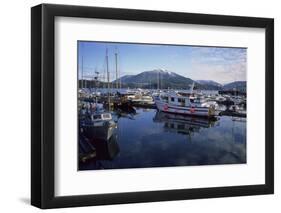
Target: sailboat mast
(108,86)
(116,69)
(120,86)
(82,74)
(158,80)
(96,84)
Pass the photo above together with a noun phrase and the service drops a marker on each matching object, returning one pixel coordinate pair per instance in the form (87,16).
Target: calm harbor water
(153,139)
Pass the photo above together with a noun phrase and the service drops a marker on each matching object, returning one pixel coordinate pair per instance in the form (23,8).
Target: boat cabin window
(96,117)
(172,99)
(165,98)
(198,100)
(181,100)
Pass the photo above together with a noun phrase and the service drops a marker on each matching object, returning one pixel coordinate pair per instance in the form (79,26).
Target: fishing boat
(98,126)
(176,103)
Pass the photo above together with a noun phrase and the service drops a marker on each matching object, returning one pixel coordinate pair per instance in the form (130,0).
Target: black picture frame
(43,117)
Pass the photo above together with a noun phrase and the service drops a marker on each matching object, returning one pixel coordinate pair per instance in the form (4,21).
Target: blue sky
(222,65)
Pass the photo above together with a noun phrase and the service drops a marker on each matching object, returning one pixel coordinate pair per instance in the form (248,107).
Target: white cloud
(223,65)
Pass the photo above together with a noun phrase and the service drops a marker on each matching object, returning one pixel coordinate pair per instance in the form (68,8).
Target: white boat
(147,99)
(188,105)
(142,99)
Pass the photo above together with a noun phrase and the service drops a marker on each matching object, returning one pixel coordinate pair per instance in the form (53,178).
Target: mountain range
(157,78)
(163,79)
(238,85)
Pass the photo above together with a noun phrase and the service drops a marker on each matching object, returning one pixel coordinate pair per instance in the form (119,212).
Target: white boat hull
(185,110)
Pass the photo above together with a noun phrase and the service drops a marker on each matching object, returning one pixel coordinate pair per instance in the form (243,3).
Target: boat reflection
(97,141)
(183,124)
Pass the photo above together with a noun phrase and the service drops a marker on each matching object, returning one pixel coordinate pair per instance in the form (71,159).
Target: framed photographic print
(140,106)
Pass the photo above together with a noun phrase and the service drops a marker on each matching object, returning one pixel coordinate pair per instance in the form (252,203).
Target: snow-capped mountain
(150,79)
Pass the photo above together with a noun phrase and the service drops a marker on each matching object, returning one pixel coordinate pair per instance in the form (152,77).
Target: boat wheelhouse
(98,126)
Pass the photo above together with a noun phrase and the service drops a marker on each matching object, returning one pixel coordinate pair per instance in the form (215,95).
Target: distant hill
(236,85)
(209,84)
(153,78)
(125,77)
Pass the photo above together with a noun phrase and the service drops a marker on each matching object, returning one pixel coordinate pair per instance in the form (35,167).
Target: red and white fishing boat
(189,104)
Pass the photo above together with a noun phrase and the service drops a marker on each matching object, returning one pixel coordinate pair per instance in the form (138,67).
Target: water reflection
(149,138)
(182,124)
(96,144)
